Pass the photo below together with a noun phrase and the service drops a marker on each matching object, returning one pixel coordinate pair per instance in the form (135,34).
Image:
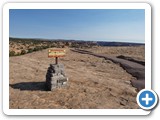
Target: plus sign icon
(147,99)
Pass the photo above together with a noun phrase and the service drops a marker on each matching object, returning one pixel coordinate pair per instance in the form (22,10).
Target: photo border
(8,6)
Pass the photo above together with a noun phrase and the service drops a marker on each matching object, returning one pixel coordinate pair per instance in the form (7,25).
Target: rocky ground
(93,82)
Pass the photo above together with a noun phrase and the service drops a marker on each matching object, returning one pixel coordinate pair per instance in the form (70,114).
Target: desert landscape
(99,76)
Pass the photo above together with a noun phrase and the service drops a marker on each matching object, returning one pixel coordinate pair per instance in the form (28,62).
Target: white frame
(8,6)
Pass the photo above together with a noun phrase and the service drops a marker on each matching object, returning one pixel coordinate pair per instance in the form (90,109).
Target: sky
(120,25)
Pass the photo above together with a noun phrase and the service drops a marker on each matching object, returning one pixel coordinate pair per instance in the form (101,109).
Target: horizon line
(36,38)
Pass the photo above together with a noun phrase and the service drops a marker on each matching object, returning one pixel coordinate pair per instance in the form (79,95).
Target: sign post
(55,53)
(55,76)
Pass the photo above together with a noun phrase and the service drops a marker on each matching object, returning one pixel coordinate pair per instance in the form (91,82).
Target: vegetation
(23,46)
(11,53)
(30,50)
(23,52)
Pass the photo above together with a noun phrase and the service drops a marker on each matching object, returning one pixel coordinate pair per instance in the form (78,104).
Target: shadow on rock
(41,86)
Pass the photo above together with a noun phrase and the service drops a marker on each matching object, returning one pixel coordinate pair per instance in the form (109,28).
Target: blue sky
(124,25)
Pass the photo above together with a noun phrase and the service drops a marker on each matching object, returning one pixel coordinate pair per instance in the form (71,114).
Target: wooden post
(56,60)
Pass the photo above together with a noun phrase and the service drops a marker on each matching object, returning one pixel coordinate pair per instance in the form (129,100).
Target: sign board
(56,53)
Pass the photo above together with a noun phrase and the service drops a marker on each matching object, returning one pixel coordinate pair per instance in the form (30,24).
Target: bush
(23,52)
(18,53)
(45,47)
(11,53)
(30,50)
(35,49)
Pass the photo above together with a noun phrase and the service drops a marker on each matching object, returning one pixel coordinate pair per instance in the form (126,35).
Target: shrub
(44,47)
(18,53)
(53,45)
(30,50)
(11,53)
(23,52)
(35,49)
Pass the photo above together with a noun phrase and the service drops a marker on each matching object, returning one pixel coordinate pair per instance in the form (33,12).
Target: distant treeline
(32,45)
(74,43)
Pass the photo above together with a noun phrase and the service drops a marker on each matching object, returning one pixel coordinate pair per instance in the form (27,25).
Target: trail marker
(55,53)
(55,76)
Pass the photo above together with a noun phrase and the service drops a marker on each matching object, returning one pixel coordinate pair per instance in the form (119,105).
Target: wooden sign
(56,53)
